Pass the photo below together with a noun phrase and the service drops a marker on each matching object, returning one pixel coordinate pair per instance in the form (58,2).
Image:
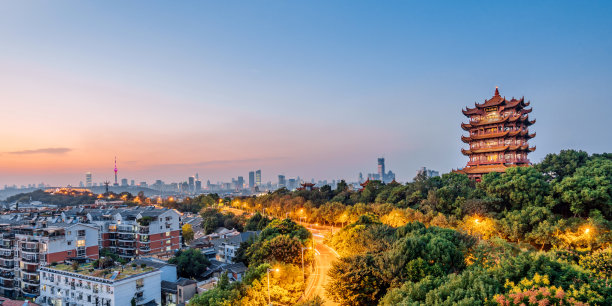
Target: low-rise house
(179,292)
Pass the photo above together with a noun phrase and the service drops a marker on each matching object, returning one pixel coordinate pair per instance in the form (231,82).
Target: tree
(187,233)
(559,166)
(589,188)
(190,263)
(355,280)
(518,187)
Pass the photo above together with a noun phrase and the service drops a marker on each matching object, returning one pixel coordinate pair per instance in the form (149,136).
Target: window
(167,234)
(69,242)
(168,241)
(168,248)
(69,253)
(81,243)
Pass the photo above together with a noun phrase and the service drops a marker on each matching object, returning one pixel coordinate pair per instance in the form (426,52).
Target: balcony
(7,266)
(145,248)
(11,287)
(7,275)
(30,259)
(33,282)
(30,290)
(30,268)
(7,283)
(126,237)
(7,255)
(29,250)
(6,246)
(143,230)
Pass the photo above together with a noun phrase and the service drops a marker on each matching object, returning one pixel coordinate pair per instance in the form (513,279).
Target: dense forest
(530,236)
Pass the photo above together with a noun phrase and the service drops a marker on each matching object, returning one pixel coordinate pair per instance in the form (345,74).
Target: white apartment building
(61,285)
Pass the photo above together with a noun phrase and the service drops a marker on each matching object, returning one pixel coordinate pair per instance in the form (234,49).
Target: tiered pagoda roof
(499,132)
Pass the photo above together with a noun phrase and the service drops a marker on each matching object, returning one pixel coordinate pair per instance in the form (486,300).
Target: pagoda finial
(496,91)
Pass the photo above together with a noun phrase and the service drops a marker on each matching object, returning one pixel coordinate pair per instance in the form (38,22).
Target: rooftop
(108,273)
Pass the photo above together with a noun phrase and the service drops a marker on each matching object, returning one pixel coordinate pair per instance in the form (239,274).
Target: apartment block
(138,231)
(26,248)
(87,285)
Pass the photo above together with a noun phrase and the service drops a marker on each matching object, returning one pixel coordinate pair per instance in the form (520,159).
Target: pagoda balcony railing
(499,161)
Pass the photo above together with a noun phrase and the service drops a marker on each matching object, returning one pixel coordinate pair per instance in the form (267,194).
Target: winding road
(324,257)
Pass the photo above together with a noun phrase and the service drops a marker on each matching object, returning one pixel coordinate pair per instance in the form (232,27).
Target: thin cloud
(221,162)
(55,151)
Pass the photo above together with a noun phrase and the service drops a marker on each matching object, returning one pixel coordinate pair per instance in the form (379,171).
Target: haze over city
(316,90)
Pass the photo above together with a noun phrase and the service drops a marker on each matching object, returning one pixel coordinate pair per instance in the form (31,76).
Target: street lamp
(303,271)
(268,273)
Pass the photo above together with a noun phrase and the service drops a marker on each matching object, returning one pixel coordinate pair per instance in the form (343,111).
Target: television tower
(116,184)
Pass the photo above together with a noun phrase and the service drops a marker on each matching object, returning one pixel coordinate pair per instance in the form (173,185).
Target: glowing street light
(303,271)
(268,273)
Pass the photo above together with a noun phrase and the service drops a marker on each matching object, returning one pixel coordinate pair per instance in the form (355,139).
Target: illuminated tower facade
(498,135)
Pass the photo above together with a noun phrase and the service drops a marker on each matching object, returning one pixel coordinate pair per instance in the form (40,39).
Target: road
(324,257)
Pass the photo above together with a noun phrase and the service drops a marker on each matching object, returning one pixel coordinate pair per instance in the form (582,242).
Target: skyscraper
(258,178)
(240,182)
(251,179)
(381,168)
(88,181)
(281,181)
(191,184)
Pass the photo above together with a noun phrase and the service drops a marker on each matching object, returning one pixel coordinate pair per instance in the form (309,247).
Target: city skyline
(215,91)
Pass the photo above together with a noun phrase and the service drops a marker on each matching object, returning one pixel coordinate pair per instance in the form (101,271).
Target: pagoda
(498,135)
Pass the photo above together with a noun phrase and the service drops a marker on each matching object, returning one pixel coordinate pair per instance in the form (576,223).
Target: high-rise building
(381,168)
(124,182)
(132,183)
(240,183)
(251,179)
(191,184)
(198,186)
(88,180)
(258,177)
(281,181)
(498,135)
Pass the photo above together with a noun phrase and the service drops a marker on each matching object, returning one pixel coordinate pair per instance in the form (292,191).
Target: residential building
(117,286)
(138,231)
(25,248)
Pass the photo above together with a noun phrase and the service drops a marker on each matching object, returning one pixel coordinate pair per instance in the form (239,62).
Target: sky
(316,89)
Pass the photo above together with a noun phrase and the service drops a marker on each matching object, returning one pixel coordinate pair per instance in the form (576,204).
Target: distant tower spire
(116,171)
(496,91)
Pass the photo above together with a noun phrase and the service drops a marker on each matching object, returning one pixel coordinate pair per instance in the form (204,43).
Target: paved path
(324,257)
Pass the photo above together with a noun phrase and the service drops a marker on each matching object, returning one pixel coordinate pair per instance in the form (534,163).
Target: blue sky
(316,89)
